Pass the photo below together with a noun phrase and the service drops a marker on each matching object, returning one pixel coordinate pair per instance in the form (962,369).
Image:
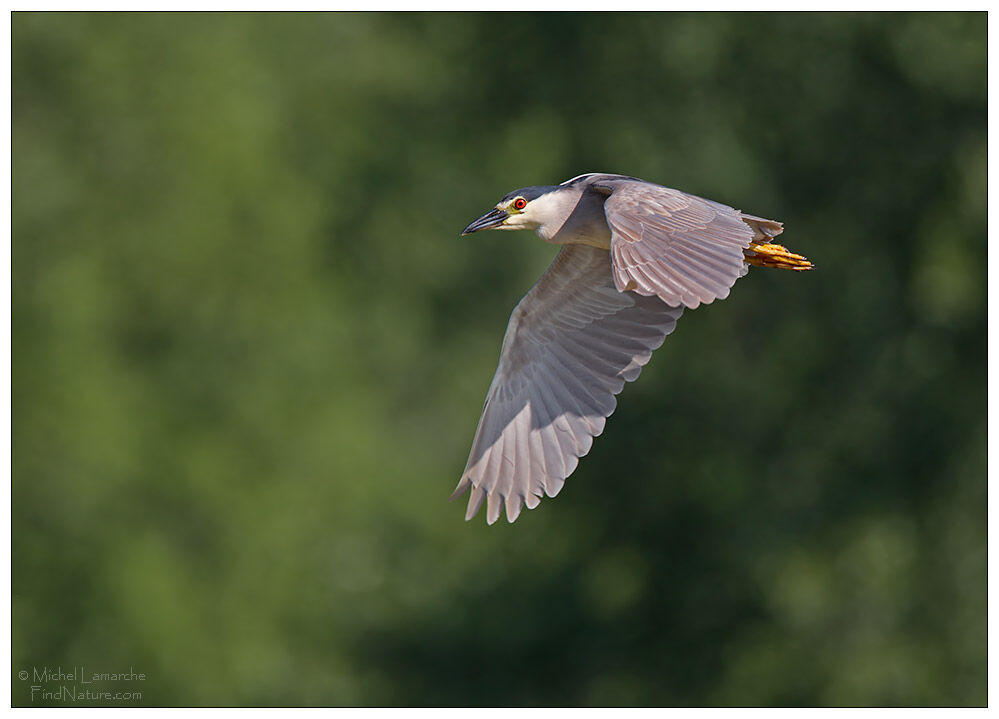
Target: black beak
(494,218)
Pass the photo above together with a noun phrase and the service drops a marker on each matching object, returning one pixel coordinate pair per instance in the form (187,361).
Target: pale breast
(585,225)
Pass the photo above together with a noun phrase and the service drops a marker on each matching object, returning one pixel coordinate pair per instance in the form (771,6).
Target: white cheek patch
(545,210)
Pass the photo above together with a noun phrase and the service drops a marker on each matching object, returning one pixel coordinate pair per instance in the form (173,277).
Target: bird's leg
(764,254)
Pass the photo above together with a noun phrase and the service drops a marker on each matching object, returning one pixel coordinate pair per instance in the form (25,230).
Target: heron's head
(528,208)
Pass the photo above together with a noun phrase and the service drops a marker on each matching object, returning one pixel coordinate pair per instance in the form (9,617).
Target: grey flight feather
(684,249)
(571,344)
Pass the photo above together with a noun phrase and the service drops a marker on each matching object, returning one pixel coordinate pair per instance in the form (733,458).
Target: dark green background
(250,351)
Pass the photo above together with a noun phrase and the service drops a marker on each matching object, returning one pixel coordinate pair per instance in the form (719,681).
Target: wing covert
(682,248)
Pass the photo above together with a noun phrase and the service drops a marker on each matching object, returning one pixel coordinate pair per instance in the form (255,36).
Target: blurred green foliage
(250,351)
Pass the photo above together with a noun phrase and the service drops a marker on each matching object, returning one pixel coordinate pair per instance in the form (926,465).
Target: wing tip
(496,504)
(474,502)
(464,484)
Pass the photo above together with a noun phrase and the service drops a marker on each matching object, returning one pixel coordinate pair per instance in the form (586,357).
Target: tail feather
(765,230)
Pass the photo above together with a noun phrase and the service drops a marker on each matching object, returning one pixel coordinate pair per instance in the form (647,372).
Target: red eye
(520,203)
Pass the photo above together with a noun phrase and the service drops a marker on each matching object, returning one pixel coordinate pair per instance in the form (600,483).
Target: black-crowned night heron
(634,254)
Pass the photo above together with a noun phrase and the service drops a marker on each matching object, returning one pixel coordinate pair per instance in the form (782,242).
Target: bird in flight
(634,255)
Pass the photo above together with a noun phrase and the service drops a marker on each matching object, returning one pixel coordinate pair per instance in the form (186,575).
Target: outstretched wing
(684,249)
(571,344)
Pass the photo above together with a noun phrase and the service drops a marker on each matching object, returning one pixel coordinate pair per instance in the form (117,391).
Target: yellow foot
(768,255)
